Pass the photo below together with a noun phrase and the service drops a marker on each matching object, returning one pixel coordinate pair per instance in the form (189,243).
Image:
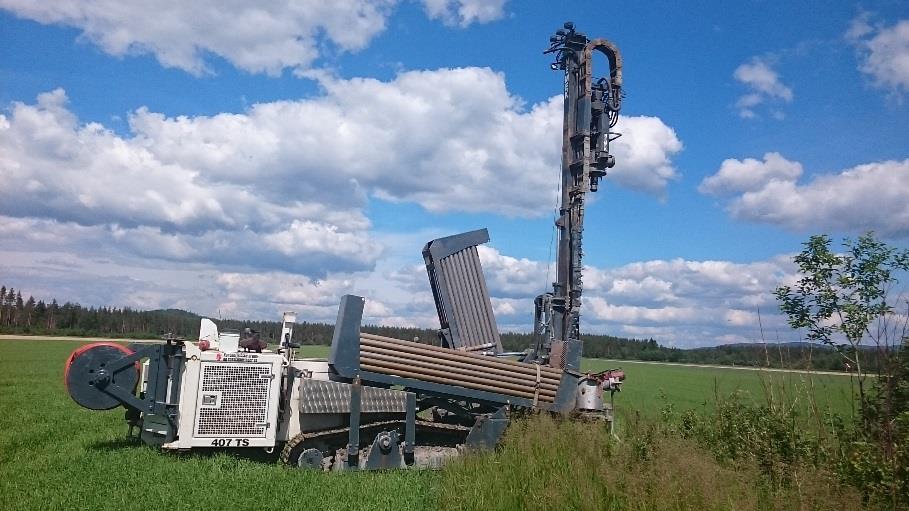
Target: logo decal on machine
(241,357)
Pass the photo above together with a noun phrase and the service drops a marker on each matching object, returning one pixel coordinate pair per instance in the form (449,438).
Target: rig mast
(592,107)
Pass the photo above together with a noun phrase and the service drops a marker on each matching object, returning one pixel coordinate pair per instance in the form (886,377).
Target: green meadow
(56,455)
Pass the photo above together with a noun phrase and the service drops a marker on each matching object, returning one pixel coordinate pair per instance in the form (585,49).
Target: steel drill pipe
(454,376)
(458,358)
(443,353)
(437,349)
(372,357)
(398,367)
(470,361)
(449,381)
(430,363)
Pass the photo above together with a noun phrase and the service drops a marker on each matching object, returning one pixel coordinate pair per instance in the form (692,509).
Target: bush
(784,448)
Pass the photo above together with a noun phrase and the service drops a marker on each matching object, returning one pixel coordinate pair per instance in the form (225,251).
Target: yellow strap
(536,387)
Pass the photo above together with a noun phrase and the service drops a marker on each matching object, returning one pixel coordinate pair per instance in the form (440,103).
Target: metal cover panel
(470,301)
(459,289)
(233,400)
(320,396)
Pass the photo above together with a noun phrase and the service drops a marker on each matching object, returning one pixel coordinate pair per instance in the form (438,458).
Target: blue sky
(241,161)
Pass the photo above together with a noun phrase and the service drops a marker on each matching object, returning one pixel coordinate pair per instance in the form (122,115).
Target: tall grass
(549,464)
(790,432)
(789,450)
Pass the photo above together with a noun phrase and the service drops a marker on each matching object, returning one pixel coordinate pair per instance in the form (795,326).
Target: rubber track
(329,433)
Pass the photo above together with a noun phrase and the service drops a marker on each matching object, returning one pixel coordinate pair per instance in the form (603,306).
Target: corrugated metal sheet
(475,324)
(320,396)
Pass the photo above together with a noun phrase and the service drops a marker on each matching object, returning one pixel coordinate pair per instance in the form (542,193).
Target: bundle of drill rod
(406,359)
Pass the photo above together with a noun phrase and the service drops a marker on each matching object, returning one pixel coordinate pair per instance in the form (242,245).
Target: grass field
(651,386)
(55,455)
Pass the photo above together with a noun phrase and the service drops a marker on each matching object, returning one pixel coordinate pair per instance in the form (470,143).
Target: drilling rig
(377,402)
(591,110)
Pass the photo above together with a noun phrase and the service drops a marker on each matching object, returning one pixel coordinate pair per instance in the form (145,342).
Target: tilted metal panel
(475,324)
(320,396)
(460,292)
(434,284)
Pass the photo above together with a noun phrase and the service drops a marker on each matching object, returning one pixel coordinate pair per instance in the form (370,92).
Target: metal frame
(345,359)
(160,398)
(353,440)
(410,429)
(487,431)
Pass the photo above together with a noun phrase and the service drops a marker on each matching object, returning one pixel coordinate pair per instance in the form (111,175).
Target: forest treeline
(20,315)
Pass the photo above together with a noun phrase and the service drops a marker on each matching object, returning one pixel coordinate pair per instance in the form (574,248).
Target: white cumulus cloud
(644,154)
(736,176)
(871,196)
(764,86)
(465,12)
(884,52)
(677,301)
(511,276)
(61,174)
(284,185)
(259,37)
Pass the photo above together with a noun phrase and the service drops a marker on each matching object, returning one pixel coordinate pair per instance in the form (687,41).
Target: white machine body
(228,399)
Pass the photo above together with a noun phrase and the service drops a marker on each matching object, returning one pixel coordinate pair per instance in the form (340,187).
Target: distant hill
(30,316)
(792,345)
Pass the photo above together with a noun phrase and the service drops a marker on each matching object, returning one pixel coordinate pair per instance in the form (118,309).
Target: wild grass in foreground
(548,464)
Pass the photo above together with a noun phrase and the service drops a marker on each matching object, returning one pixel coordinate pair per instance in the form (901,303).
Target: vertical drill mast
(591,109)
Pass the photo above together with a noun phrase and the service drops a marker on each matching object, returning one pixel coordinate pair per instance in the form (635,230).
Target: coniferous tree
(29,311)
(40,313)
(8,302)
(51,322)
(17,315)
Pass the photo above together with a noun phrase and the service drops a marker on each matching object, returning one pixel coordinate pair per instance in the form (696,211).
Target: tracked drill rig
(591,111)
(379,402)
